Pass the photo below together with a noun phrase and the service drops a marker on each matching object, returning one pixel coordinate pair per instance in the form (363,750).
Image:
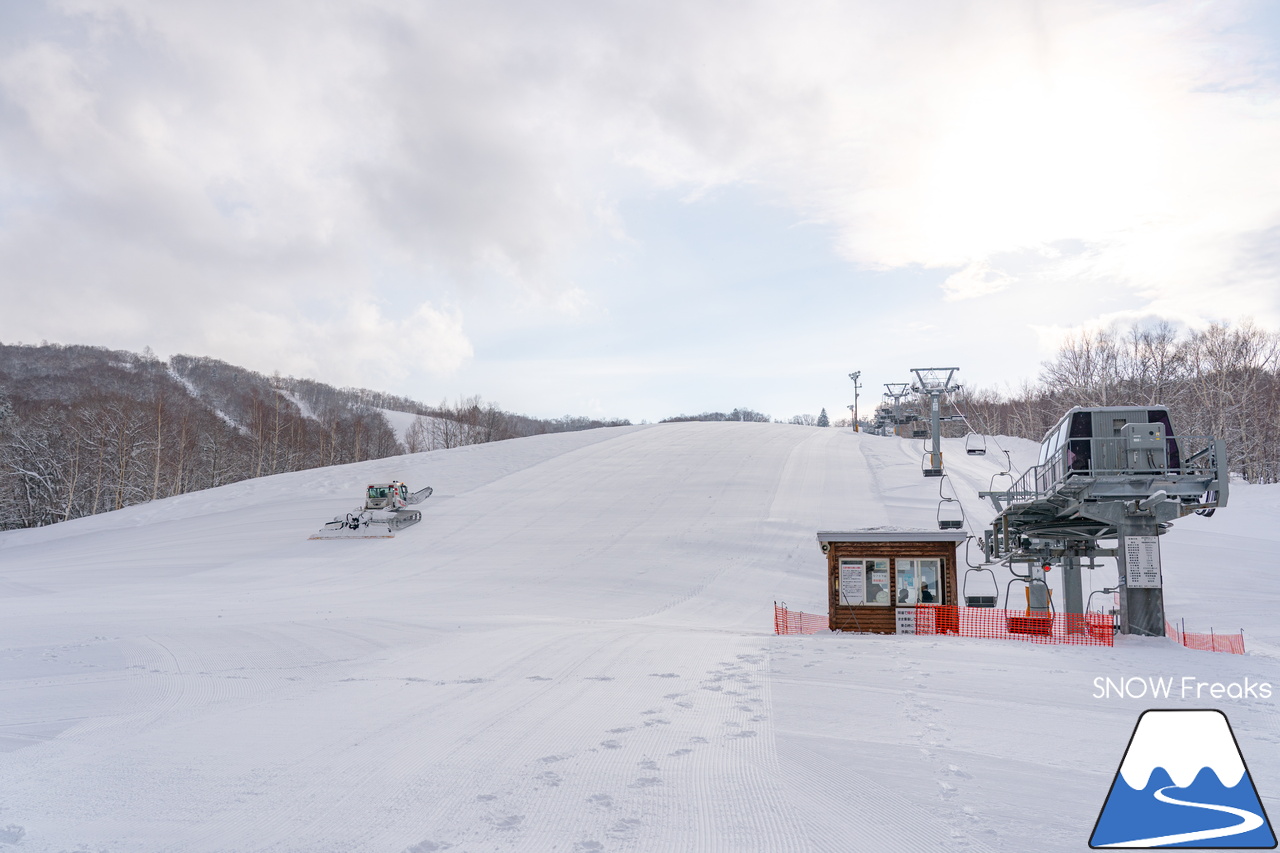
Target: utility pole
(854,376)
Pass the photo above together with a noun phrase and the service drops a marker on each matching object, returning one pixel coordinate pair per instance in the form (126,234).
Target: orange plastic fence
(795,622)
(1210,642)
(1091,629)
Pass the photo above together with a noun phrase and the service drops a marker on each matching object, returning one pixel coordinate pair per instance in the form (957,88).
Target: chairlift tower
(896,391)
(934,381)
(1112,473)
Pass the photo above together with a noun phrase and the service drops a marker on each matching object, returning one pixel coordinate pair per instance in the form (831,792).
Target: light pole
(854,376)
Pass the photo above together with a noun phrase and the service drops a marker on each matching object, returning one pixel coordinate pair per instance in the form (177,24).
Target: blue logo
(1183,783)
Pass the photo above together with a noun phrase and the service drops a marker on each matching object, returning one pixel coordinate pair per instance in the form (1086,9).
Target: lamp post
(854,376)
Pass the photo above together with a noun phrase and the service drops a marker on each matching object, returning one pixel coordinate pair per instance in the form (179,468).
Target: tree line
(1221,381)
(85,429)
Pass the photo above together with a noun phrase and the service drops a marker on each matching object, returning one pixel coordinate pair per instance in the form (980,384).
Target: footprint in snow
(599,678)
(611,744)
(428,847)
(679,752)
(602,800)
(537,678)
(744,733)
(505,822)
(663,675)
(623,827)
(645,782)
(619,731)
(647,765)
(552,759)
(550,779)
(588,846)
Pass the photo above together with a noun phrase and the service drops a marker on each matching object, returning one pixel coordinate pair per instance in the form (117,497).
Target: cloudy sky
(634,209)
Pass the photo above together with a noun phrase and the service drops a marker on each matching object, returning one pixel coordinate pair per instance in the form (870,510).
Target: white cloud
(976,279)
(168,168)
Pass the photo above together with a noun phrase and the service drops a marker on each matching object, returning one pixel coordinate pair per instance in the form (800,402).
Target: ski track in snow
(572,651)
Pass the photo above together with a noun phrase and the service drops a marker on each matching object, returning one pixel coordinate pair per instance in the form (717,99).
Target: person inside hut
(904,595)
(925,595)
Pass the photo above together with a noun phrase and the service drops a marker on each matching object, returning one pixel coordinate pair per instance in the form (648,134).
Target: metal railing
(1184,455)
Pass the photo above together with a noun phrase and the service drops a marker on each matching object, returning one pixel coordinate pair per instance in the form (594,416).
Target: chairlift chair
(950,510)
(950,515)
(975,444)
(980,599)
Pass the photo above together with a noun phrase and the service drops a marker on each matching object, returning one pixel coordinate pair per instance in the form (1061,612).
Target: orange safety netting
(1210,642)
(1090,629)
(795,622)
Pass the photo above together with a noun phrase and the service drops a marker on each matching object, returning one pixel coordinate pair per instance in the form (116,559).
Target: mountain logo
(1183,783)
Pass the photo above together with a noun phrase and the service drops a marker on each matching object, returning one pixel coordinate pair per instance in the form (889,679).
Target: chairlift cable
(1007,456)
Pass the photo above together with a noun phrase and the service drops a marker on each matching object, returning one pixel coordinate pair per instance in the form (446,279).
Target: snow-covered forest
(85,430)
(1222,381)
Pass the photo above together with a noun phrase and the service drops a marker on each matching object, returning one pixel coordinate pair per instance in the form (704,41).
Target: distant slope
(85,430)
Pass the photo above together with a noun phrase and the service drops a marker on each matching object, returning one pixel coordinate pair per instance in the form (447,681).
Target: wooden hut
(877,577)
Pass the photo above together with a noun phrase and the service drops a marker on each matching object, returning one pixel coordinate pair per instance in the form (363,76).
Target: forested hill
(86,429)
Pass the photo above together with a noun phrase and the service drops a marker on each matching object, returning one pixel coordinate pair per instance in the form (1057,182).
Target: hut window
(919,580)
(864,581)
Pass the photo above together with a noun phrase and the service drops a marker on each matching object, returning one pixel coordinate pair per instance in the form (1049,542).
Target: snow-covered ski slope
(572,652)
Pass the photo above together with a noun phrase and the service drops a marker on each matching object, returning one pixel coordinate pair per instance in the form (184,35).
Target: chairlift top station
(1103,473)
(1110,472)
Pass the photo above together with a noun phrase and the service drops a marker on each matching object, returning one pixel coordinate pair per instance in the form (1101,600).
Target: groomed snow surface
(573,652)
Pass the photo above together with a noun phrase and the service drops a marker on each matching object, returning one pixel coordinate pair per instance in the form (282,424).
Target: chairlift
(975,599)
(950,515)
(927,467)
(975,444)
(950,510)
